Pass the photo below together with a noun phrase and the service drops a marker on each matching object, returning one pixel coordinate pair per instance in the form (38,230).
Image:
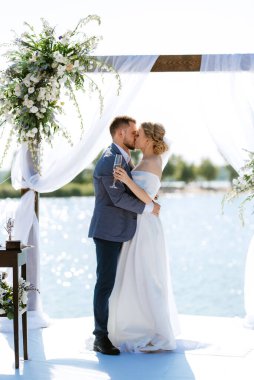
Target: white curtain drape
(228,103)
(62,162)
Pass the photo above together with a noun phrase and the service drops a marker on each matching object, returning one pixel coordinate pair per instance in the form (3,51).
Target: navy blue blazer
(115,212)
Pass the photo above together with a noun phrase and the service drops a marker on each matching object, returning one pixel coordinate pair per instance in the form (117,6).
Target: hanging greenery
(41,67)
(243,184)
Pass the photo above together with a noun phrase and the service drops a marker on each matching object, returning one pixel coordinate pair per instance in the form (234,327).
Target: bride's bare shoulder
(152,164)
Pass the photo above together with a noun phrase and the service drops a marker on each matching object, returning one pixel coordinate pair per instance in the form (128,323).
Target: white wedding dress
(142,311)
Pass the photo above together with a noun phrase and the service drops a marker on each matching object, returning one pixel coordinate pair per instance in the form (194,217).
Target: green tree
(136,156)
(232,173)
(184,171)
(86,176)
(207,170)
(169,169)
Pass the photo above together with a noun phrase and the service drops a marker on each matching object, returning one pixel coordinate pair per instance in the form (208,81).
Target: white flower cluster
(23,293)
(41,67)
(2,293)
(243,184)
(6,296)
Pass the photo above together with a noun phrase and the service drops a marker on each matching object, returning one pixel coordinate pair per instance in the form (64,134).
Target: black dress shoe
(104,346)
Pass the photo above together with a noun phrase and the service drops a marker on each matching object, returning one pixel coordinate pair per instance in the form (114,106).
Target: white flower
(30,134)
(42,90)
(76,63)
(34,109)
(54,83)
(42,94)
(39,115)
(17,90)
(63,79)
(48,96)
(2,311)
(28,103)
(35,130)
(59,57)
(64,40)
(34,79)
(26,82)
(43,110)
(21,281)
(8,116)
(31,90)
(60,70)
(24,297)
(54,65)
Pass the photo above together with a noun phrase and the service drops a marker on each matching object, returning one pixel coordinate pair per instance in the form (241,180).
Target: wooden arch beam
(177,63)
(171,63)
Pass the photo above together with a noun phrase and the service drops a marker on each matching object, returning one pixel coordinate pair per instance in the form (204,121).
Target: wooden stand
(14,259)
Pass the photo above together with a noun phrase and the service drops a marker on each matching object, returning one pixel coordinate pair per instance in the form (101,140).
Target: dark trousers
(107,253)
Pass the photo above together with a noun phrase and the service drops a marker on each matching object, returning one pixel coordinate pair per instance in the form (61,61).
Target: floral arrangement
(243,184)
(6,295)
(43,67)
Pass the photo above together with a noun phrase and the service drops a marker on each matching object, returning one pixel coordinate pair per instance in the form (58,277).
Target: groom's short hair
(119,122)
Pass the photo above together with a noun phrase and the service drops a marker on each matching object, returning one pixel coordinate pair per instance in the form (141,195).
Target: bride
(142,311)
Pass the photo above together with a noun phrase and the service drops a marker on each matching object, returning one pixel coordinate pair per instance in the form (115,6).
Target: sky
(154,27)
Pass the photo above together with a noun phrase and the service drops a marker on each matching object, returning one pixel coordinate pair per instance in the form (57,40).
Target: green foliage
(86,176)
(232,173)
(72,190)
(41,68)
(7,191)
(179,170)
(135,156)
(6,296)
(207,170)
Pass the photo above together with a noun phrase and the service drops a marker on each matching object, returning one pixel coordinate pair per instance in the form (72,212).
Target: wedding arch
(229,108)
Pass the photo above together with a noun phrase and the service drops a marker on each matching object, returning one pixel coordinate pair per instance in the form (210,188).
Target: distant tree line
(177,169)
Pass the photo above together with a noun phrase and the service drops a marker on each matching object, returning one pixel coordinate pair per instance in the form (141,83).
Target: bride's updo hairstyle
(155,132)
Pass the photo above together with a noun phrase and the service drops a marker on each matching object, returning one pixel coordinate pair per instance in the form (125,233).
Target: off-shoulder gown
(142,311)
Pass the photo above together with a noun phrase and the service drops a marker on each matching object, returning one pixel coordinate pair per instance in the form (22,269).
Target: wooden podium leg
(16,314)
(24,319)
(24,330)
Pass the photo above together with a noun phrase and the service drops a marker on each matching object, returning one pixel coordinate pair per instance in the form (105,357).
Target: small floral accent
(243,184)
(6,295)
(43,67)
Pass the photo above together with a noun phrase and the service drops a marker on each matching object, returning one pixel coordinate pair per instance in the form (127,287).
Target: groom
(114,222)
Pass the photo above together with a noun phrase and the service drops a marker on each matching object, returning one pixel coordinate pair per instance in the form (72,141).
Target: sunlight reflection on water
(207,253)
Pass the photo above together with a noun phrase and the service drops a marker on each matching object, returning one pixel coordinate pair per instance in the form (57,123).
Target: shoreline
(82,190)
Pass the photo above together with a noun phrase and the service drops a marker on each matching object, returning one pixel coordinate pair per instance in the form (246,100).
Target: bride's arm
(121,175)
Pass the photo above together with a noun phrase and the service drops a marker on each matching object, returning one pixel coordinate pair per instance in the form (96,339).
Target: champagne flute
(117,163)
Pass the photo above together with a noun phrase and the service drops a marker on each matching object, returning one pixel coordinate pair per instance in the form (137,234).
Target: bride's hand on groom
(156,209)
(121,175)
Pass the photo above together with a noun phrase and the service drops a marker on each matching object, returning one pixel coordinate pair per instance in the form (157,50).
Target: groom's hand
(156,209)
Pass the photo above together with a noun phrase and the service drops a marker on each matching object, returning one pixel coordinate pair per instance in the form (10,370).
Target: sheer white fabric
(228,62)
(142,311)
(62,162)
(229,107)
